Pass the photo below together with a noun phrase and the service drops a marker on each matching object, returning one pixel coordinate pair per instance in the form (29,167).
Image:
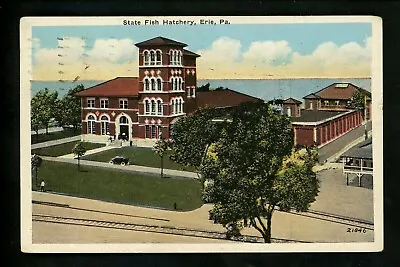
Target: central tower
(167,85)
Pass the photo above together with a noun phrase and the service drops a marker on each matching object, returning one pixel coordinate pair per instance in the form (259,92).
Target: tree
(79,150)
(203,88)
(69,108)
(192,135)
(357,100)
(36,162)
(252,169)
(160,148)
(43,107)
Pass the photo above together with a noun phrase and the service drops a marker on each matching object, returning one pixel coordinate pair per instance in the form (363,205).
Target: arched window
(175,58)
(159,84)
(180,83)
(173,106)
(152,57)
(180,105)
(171,57)
(175,84)
(159,107)
(123,120)
(91,124)
(147,107)
(158,57)
(177,106)
(153,107)
(105,125)
(146,57)
(146,85)
(179,58)
(153,85)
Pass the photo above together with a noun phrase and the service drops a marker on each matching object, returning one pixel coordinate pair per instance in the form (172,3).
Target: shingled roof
(158,41)
(223,98)
(120,86)
(342,91)
(361,151)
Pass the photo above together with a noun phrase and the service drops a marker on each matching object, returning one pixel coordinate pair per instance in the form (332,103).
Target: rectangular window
(154,131)
(311,105)
(326,103)
(159,131)
(103,103)
(153,107)
(337,102)
(123,103)
(147,133)
(90,102)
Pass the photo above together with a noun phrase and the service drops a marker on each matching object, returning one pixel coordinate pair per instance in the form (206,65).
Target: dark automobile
(119,160)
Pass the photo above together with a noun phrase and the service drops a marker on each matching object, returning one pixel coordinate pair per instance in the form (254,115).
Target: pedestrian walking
(42,185)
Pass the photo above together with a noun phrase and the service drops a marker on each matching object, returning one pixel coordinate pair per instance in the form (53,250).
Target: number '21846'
(356,230)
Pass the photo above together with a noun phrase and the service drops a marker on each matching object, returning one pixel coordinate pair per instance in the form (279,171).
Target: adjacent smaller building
(336,96)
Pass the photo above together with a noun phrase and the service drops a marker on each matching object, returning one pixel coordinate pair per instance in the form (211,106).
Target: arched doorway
(123,128)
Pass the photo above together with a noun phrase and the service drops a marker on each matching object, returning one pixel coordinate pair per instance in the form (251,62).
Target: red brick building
(326,115)
(144,107)
(336,96)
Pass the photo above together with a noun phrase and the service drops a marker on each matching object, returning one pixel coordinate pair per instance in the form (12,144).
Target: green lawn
(54,135)
(120,186)
(138,156)
(63,149)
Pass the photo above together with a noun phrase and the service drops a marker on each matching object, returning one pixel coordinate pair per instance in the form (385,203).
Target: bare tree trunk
(267,237)
(36,175)
(79,163)
(47,129)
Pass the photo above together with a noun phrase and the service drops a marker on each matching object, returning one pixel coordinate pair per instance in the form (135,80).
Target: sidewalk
(129,168)
(89,152)
(56,142)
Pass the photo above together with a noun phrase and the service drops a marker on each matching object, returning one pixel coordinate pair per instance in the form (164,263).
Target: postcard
(201,134)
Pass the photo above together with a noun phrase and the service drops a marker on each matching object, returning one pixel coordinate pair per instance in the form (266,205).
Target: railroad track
(152,228)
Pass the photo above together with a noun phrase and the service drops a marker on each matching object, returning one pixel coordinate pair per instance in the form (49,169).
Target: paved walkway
(331,150)
(56,142)
(50,130)
(129,168)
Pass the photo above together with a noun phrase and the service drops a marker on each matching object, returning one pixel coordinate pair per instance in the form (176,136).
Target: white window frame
(146,57)
(326,102)
(159,107)
(104,125)
(89,100)
(337,102)
(124,102)
(102,103)
(91,124)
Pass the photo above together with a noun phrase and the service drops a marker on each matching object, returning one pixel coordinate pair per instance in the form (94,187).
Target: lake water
(265,89)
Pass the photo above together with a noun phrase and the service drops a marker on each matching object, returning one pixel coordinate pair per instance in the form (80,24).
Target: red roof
(120,86)
(157,41)
(343,91)
(190,53)
(291,100)
(223,98)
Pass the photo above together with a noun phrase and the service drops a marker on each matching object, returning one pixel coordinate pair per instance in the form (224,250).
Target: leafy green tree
(36,162)
(79,150)
(248,169)
(160,148)
(69,108)
(43,109)
(357,100)
(192,135)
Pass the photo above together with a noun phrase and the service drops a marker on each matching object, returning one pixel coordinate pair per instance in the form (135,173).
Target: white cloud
(113,50)
(267,52)
(71,56)
(276,59)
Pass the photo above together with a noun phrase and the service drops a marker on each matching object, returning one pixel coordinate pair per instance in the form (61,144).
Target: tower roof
(190,53)
(160,41)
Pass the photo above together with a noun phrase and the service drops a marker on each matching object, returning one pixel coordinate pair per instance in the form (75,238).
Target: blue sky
(300,39)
